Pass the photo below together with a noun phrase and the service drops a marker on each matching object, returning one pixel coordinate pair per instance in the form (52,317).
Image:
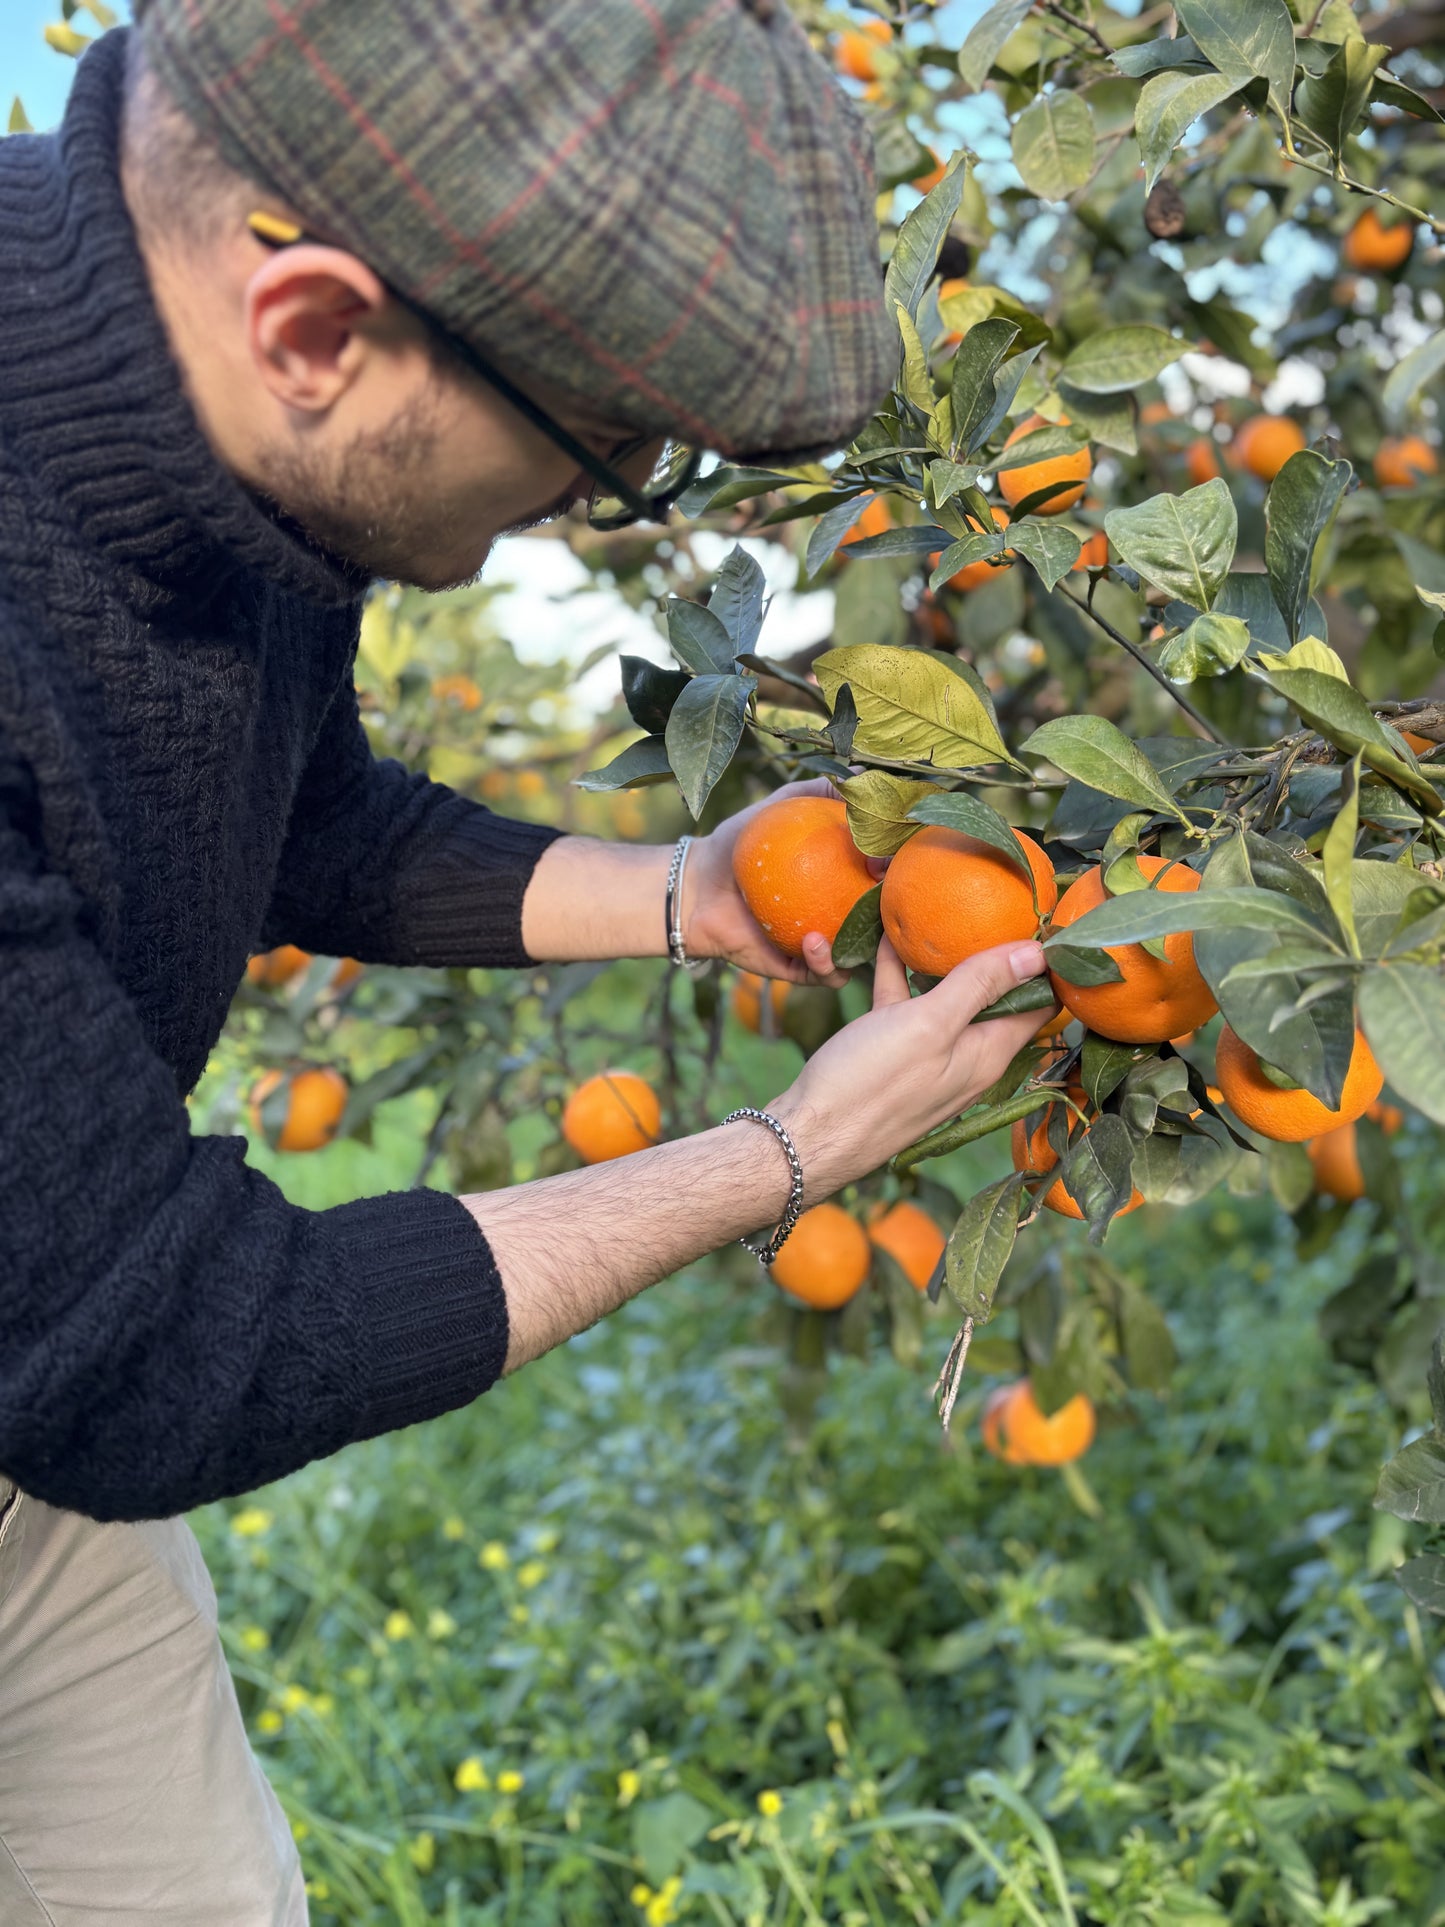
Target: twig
(950,1379)
(1085,27)
(1342,179)
(1200,721)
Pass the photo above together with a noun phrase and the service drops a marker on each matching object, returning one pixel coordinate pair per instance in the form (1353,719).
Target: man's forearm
(572,1248)
(589,900)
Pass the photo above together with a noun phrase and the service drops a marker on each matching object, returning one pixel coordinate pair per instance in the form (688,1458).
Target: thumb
(980,981)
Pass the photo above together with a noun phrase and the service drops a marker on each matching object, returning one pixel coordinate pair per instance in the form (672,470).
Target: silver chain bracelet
(765,1254)
(676,949)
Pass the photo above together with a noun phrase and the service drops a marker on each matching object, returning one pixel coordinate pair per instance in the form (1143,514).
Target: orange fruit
(1389,1117)
(1035,1153)
(1201,460)
(747,1000)
(1422,745)
(531,783)
(1093,555)
(925,183)
(315,1101)
(799,869)
(1402,461)
(1015,1430)
(876,519)
(276,967)
(1265,443)
(494,785)
(972,573)
(1154,412)
(1157,1000)
(344,976)
(911,1239)
(947,896)
(1372,248)
(1016,483)
(460,690)
(610,1116)
(825,1259)
(856,53)
(1336,1159)
(1290,1117)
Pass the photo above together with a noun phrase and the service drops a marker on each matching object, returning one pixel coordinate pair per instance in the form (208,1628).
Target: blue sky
(28,67)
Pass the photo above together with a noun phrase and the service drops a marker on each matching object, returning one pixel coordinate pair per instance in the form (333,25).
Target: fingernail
(1026,960)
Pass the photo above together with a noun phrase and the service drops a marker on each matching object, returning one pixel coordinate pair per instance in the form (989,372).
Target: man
(300,295)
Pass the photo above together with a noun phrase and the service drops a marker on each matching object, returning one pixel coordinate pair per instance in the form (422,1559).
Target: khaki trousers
(128,1792)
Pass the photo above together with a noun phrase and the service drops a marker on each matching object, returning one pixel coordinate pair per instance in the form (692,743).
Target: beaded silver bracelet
(765,1254)
(676,949)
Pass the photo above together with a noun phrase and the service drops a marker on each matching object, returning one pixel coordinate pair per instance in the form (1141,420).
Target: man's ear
(311,320)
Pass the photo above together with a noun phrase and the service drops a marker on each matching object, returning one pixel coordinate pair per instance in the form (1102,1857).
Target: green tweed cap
(663,208)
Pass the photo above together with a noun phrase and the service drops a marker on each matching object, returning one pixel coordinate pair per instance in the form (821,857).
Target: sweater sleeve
(172,1330)
(390,867)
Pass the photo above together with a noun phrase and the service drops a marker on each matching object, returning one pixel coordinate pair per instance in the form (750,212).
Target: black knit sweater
(184,779)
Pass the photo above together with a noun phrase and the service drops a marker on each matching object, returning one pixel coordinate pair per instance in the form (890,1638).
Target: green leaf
(703,730)
(1049,549)
(970,815)
(699,639)
(946,479)
(641,763)
(663,1831)
(1308,653)
(1168,107)
(19,121)
(921,539)
(724,487)
(1107,418)
(1338,852)
(1098,1172)
(980,1244)
(1183,544)
(1410,374)
(1423,1580)
(915,253)
(975,547)
(1302,500)
(1412,1485)
(860,932)
(985,40)
(879,807)
(1093,751)
(1149,1352)
(1117,360)
(1343,717)
(917,383)
(1034,993)
(1056,438)
(1103,1066)
(1081,968)
(1245,38)
(1210,645)
(980,355)
(1147,57)
(1331,103)
(737,599)
(830,529)
(1142,914)
(650,691)
(1054,145)
(912,706)
(1402,1013)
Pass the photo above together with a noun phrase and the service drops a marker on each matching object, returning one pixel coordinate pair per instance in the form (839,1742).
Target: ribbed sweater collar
(91,400)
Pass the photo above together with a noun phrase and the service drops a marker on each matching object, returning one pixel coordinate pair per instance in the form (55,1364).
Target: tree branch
(1200,721)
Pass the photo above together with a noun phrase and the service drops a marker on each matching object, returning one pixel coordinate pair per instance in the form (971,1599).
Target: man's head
(653,216)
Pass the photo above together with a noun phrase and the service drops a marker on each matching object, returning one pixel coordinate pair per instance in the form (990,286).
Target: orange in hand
(610,1116)
(799,869)
(825,1259)
(947,896)
(1289,1117)
(1157,1000)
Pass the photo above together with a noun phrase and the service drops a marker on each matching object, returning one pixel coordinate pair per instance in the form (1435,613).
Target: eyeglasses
(614,503)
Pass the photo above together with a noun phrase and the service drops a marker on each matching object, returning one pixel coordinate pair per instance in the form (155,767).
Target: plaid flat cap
(662,208)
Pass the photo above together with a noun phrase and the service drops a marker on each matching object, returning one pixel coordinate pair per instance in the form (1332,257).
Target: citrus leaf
(1402,1013)
(1410,374)
(916,382)
(1147,57)
(703,730)
(1159,913)
(980,1244)
(1423,1580)
(1183,544)
(915,253)
(1211,645)
(912,706)
(985,40)
(879,807)
(1244,39)
(1118,359)
(642,762)
(1056,438)
(737,598)
(972,394)
(650,691)
(1093,751)
(1098,1172)
(1080,968)
(724,487)
(1054,145)
(860,932)
(975,547)
(1331,103)
(1338,853)
(1412,1485)
(1051,551)
(1302,500)
(698,638)
(1169,105)
(830,529)
(971,816)
(1343,717)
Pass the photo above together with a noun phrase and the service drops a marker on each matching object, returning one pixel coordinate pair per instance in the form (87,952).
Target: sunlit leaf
(912,705)
(1210,645)
(1169,105)
(1183,544)
(879,808)
(1245,38)
(1054,144)
(1094,751)
(1117,360)
(641,763)
(1302,500)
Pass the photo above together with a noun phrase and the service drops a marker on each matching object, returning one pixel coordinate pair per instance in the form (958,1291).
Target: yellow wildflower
(422,1852)
(440,1624)
(254,1639)
(519,1615)
(270,1721)
(662,1908)
(294,1698)
(251,1522)
(510,1781)
(629,1785)
(299,1829)
(318,1890)
(640,1894)
(398,1625)
(532,1574)
(454,1528)
(769,1803)
(471,1776)
(494,1557)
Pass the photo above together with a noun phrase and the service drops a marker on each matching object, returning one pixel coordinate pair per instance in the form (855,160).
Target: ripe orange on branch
(748,994)
(1201,461)
(911,1239)
(1264,443)
(1291,1116)
(610,1116)
(276,967)
(1158,999)
(799,869)
(1371,247)
(825,1259)
(856,54)
(1033,1152)
(972,574)
(315,1101)
(947,896)
(1015,1430)
(1403,461)
(1017,483)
